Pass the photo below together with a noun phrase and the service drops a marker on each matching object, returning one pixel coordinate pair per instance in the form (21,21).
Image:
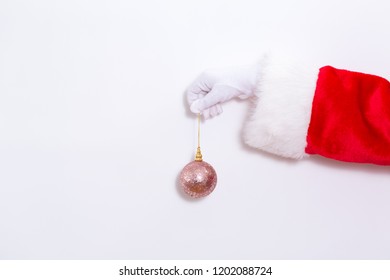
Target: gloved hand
(216,86)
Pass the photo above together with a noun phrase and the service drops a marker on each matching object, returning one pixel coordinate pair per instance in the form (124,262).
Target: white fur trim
(283,103)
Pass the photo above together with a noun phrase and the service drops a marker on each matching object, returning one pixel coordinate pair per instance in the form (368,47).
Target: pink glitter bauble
(198,179)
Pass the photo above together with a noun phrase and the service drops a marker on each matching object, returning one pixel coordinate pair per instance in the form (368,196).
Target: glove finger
(214,111)
(195,94)
(194,107)
(209,112)
(219,108)
(206,114)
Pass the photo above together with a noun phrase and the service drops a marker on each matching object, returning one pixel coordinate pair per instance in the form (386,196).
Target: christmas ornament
(198,178)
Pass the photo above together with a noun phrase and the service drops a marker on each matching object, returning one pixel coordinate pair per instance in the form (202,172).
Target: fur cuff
(280,119)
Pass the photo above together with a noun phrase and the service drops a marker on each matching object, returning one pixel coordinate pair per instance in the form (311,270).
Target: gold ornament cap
(198,156)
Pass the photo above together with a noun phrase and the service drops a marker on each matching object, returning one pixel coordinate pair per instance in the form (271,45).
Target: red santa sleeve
(339,114)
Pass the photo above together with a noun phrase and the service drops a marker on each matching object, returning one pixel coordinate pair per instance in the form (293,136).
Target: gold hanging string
(198,156)
(198,130)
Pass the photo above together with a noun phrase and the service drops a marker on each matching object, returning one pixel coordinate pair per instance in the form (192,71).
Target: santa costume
(339,114)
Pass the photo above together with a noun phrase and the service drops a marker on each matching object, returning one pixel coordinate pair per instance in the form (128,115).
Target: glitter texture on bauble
(198,179)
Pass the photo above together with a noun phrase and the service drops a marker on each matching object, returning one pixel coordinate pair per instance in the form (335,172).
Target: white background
(94,130)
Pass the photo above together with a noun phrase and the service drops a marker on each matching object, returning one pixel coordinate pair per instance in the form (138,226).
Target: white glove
(216,86)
